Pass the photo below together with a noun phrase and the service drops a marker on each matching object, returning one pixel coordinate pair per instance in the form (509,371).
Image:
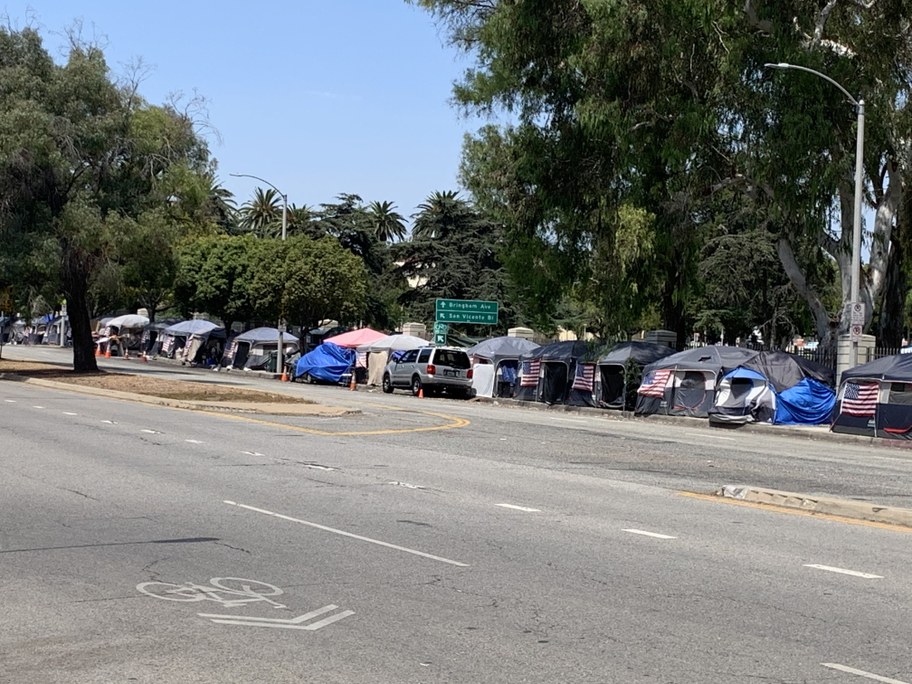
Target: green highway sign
(440,333)
(476,311)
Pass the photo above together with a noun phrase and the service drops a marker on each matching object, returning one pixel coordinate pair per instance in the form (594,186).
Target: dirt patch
(184,390)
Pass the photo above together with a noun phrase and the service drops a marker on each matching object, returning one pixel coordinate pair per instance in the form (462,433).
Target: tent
(327,363)
(356,338)
(875,399)
(378,353)
(684,384)
(192,341)
(548,372)
(253,348)
(128,321)
(612,379)
(496,364)
(775,387)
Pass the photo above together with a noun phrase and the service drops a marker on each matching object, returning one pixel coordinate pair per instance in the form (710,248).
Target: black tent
(612,378)
(684,384)
(548,372)
(875,399)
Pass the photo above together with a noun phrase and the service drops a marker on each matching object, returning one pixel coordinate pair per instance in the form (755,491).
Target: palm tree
(262,215)
(302,221)
(441,214)
(222,205)
(387,223)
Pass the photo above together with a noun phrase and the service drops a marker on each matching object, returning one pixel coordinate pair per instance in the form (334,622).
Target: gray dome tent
(684,384)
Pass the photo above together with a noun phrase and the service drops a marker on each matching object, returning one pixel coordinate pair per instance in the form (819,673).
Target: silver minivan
(431,370)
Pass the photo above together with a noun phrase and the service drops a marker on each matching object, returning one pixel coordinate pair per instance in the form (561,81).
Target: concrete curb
(262,408)
(813,432)
(845,508)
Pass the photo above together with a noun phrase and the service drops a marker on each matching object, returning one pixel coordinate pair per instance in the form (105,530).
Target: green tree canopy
(83,161)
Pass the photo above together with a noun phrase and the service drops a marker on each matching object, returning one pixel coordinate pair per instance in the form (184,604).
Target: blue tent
(328,362)
(775,387)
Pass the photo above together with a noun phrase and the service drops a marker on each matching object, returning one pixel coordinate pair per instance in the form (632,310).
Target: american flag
(653,384)
(584,377)
(530,371)
(860,398)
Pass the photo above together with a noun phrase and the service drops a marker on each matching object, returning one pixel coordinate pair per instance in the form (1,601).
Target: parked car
(431,369)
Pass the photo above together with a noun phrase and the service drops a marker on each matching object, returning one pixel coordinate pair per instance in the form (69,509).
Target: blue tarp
(328,362)
(810,402)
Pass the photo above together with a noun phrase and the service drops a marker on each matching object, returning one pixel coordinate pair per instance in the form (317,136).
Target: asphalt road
(432,541)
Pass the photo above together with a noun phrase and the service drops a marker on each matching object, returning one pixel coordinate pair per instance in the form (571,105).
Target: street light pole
(859,105)
(280,357)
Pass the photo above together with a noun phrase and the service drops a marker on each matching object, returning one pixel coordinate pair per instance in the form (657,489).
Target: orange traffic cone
(421,392)
(145,357)
(353,385)
(284,377)
(107,353)
(97,350)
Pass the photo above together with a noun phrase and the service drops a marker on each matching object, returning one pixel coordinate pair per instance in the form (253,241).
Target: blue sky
(319,97)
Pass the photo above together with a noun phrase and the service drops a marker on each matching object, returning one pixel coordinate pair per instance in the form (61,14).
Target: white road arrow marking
(291,623)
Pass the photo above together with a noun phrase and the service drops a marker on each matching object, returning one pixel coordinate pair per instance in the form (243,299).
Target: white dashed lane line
(862,673)
(10,401)
(38,407)
(350,535)
(519,508)
(70,413)
(150,432)
(644,533)
(843,571)
(193,441)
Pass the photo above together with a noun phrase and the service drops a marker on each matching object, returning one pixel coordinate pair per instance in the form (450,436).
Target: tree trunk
(796,277)
(75,288)
(893,304)
(891,327)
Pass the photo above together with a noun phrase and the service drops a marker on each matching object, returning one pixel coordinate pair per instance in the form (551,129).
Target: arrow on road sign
(291,623)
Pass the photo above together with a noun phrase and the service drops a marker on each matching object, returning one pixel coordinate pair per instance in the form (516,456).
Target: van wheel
(416,385)
(387,384)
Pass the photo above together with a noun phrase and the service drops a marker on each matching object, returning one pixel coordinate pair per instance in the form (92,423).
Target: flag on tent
(860,398)
(653,384)
(530,371)
(584,377)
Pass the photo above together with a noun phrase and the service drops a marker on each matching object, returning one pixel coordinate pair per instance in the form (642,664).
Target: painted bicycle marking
(230,592)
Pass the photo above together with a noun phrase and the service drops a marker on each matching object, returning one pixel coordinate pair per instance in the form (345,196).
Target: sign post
(440,334)
(856,320)
(473,311)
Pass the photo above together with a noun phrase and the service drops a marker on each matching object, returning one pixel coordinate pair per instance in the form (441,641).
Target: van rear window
(453,359)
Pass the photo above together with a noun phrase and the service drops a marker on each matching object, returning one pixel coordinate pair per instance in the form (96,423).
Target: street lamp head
(778,65)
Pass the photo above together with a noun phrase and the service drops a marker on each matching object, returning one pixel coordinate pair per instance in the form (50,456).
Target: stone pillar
(844,352)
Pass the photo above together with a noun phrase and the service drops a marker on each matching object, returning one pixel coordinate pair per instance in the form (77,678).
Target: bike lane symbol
(234,592)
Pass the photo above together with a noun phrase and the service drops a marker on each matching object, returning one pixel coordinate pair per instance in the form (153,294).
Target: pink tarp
(356,338)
